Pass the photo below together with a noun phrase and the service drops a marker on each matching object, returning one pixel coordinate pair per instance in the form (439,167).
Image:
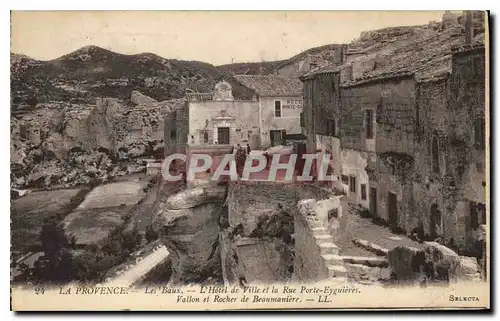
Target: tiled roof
(426,59)
(271,85)
(334,67)
(479,45)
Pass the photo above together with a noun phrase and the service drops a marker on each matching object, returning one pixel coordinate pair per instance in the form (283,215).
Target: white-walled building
(217,120)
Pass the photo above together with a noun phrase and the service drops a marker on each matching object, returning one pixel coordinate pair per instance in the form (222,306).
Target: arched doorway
(435,221)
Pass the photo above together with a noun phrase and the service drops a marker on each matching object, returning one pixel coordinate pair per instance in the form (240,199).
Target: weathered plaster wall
(241,116)
(308,116)
(467,160)
(330,145)
(354,164)
(291,107)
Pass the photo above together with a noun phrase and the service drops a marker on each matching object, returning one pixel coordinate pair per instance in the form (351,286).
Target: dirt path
(363,228)
(132,275)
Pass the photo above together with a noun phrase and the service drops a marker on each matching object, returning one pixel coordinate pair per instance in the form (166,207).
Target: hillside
(323,53)
(91,72)
(251,68)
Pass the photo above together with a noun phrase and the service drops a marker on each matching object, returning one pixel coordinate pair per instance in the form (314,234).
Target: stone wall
(247,202)
(316,255)
(242,117)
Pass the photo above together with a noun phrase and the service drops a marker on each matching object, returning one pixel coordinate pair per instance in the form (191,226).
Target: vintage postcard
(244,160)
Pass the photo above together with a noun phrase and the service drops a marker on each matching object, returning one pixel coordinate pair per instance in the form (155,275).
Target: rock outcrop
(188,224)
(435,263)
(69,142)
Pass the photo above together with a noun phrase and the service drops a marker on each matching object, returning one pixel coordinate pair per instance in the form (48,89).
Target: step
(323,238)
(374,248)
(319,230)
(365,260)
(336,271)
(328,248)
(331,259)
(338,279)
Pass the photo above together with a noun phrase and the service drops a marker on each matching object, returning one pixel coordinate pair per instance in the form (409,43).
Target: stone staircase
(330,254)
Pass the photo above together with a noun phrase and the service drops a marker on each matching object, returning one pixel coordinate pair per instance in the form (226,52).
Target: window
(369,123)
(276,137)
(302,122)
(352,186)
(479,135)
(333,214)
(277,108)
(363,192)
(173,134)
(345,179)
(331,128)
(205,137)
(223,135)
(435,155)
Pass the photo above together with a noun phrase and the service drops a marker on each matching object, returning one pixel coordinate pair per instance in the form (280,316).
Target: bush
(60,265)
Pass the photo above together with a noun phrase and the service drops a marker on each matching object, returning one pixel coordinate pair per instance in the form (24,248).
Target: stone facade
(197,123)
(409,149)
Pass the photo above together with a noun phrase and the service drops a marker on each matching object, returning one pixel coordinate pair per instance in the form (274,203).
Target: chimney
(468,27)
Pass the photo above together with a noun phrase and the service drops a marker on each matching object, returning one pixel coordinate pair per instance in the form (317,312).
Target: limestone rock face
(443,263)
(64,137)
(436,263)
(405,263)
(470,268)
(188,225)
(140,99)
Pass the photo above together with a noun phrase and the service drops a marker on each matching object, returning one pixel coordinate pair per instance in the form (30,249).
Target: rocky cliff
(63,144)
(188,224)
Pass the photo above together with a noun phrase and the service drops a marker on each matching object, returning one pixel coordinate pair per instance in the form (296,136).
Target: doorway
(435,221)
(392,208)
(373,201)
(223,135)
(276,137)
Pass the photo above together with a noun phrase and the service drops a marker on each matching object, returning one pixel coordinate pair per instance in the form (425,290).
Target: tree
(56,263)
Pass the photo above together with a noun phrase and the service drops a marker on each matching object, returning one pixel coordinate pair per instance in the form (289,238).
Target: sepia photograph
(244,160)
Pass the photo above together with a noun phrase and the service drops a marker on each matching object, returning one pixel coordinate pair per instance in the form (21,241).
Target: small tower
(223,91)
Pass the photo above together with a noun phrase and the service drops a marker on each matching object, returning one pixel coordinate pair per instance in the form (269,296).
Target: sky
(216,37)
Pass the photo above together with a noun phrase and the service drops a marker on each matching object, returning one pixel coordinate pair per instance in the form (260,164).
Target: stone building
(407,139)
(219,120)
(280,105)
(212,119)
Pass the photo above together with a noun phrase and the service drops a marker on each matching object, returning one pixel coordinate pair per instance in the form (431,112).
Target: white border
(186,5)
